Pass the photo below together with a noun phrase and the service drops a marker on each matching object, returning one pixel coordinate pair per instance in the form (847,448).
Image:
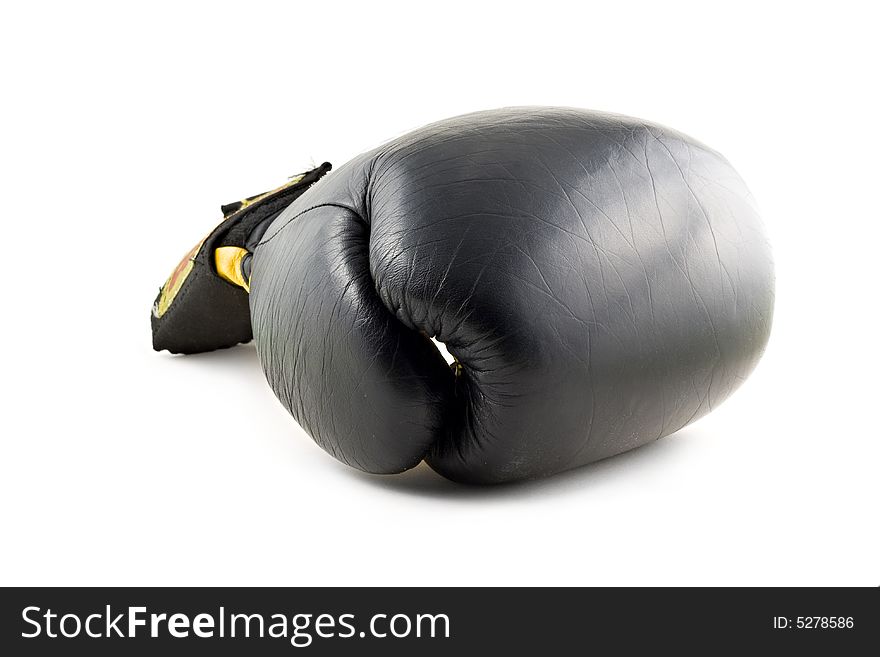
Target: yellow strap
(228,262)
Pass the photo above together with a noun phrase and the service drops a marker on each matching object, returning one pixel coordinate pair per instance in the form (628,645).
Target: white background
(123,130)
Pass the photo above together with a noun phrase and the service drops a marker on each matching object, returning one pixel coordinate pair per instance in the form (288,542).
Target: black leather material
(603,282)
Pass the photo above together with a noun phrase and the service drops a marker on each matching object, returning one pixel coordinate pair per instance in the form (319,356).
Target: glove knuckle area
(602,282)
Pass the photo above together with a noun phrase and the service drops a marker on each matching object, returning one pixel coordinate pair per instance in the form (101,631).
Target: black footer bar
(434,621)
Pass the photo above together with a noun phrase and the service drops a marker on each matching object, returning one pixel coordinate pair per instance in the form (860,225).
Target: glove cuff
(204,303)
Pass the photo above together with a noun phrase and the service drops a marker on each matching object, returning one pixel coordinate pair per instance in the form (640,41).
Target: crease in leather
(296,379)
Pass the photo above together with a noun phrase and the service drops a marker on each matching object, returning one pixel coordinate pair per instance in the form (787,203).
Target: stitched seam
(314,207)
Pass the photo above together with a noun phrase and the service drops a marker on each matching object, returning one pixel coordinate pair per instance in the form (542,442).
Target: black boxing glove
(601,282)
